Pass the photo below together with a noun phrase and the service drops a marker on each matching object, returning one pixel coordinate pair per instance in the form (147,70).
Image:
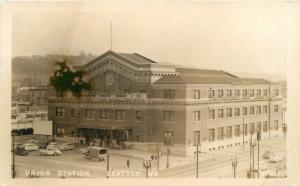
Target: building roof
(137,58)
(189,79)
(203,72)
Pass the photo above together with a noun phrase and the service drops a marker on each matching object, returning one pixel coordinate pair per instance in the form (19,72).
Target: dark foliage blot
(64,79)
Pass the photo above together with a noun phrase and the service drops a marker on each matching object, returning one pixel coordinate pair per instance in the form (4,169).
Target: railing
(105,96)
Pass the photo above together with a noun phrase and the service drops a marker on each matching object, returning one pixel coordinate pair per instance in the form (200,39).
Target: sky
(236,37)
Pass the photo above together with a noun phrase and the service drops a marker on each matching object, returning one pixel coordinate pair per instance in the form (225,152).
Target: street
(73,164)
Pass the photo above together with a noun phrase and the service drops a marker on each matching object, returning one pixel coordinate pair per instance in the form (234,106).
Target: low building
(134,98)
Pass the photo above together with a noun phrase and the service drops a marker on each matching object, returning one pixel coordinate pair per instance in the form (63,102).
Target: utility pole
(253,158)
(197,167)
(107,165)
(250,144)
(243,135)
(13,155)
(124,127)
(258,139)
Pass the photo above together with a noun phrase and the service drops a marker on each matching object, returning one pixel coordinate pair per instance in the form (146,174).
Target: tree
(65,79)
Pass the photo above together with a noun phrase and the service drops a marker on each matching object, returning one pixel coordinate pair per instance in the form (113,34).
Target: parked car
(84,150)
(96,153)
(61,146)
(30,147)
(267,154)
(264,166)
(21,151)
(54,145)
(276,158)
(67,146)
(36,142)
(50,152)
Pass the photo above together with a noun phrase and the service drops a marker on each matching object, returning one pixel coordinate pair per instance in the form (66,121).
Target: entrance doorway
(103,137)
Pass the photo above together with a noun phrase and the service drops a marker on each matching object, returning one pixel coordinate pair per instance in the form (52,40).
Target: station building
(136,99)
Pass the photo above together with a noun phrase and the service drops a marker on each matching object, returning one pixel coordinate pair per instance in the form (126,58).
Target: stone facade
(135,94)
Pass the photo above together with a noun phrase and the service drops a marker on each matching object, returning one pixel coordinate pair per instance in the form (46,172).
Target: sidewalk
(177,161)
(174,161)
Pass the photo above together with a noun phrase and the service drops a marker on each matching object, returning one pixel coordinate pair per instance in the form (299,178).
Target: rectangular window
(265,126)
(196,137)
(258,126)
(245,110)
(211,93)
(258,92)
(220,93)
(89,113)
(229,132)
(103,114)
(275,108)
(143,91)
(229,93)
(252,128)
(251,93)
(211,135)
(251,110)
(258,109)
(229,112)
(265,109)
(237,130)
(276,92)
(220,133)
(245,129)
(168,115)
(196,115)
(138,115)
(211,114)
(60,112)
(237,93)
(265,92)
(245,92)
(237,111)
(120,115)
(169,94)
(220,113)
(276,125)
(73,113)
(197,94)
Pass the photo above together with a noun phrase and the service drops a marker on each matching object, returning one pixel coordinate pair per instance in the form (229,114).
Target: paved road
(72,161)
(221,167)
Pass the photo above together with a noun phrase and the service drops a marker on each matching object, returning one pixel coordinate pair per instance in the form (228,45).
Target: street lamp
(234,165)
(147,165)
(168,137)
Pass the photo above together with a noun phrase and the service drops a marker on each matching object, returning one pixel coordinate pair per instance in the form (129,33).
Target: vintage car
(96,153)
(67,146)
(276,158)
(60,146)
(19,150)
(30,147)
(267,154)
(50,152)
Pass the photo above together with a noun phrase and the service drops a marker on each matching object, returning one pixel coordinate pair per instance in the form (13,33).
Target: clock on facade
(109,79)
